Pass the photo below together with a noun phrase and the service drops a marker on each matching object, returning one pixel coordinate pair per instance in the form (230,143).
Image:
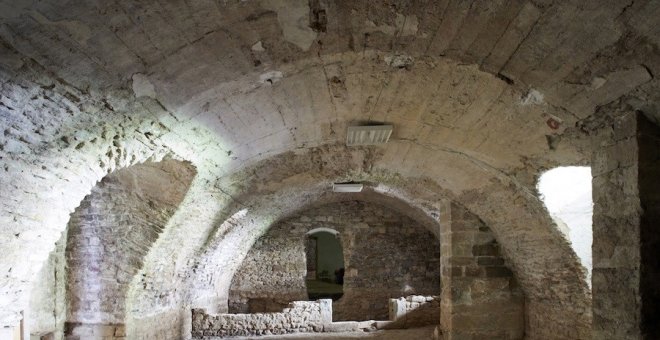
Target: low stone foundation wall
(85,331)
(414,311)
(165,325)
(300,316)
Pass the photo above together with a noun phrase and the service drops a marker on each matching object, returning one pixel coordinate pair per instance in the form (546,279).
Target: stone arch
(322,229)
(272,199)
(149,127)
(386,255)
(492,172)
(56,170)
(110,234)
(313,255)
(103,247)
(520,44)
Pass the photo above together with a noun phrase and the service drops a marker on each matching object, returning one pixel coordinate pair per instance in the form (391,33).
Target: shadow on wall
(81,291)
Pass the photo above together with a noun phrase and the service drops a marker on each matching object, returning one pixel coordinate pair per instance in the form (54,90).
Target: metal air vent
(368,135)
(347,187)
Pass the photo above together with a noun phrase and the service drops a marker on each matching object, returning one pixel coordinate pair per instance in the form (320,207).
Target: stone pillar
(626,192)
(480,298)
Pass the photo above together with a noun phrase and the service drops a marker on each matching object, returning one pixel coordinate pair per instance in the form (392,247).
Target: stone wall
(161,326)
(480,295)
(105,331)
(385,255)
(47,312)
(626,271)
(300,316)
(414,311)
(108,236)
(475,139)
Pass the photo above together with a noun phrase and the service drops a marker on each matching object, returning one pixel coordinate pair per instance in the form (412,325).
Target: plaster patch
(271,77)
(76,29)
(533,97)
(142,87)
(403,25)
(13,146)
(11,61)
(399,60)
(293,16)
(258,47)
(597,82)
(407,25)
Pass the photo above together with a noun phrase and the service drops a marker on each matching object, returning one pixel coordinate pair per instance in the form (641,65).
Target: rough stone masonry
(386,255)
(484,96)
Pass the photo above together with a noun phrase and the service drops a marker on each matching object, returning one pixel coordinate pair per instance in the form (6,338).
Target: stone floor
(394,334)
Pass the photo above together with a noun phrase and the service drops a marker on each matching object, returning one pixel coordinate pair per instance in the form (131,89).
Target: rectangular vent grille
(347,187)
(368,135)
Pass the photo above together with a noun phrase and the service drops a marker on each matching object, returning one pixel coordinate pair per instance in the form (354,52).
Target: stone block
(326,310)
(498,271)
(490,261)
(82,331)
(383,324)
(473,271)
(342,326)
(105,330)
(461,260)
(418,298)
(488,249)
(367,325)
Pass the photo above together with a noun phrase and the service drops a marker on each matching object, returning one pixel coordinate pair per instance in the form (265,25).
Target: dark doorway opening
(325,265)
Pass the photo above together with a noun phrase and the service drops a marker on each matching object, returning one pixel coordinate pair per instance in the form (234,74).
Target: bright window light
(566,192)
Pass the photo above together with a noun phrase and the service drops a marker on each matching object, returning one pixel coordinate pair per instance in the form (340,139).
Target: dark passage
(325,266)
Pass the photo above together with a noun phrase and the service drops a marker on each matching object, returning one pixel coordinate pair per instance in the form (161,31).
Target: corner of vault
(108,235)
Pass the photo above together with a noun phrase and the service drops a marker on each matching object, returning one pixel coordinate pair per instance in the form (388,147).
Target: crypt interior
(318,169)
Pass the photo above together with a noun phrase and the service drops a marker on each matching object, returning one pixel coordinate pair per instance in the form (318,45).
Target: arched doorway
(325,264)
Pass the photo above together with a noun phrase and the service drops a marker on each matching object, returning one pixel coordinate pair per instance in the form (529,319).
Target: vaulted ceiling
(257,95)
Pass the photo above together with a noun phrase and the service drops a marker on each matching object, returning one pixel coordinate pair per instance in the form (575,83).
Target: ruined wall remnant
(386,255)
(414,311)
(300,316)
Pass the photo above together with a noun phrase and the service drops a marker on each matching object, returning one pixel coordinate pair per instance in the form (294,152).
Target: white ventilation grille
(347,187)
(368,135)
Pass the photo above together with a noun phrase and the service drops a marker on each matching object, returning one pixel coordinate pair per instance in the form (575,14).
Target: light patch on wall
(533,97)
(293,17)
(142,86)
(270,77)
(240,214)
(323,229)
(566,192)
